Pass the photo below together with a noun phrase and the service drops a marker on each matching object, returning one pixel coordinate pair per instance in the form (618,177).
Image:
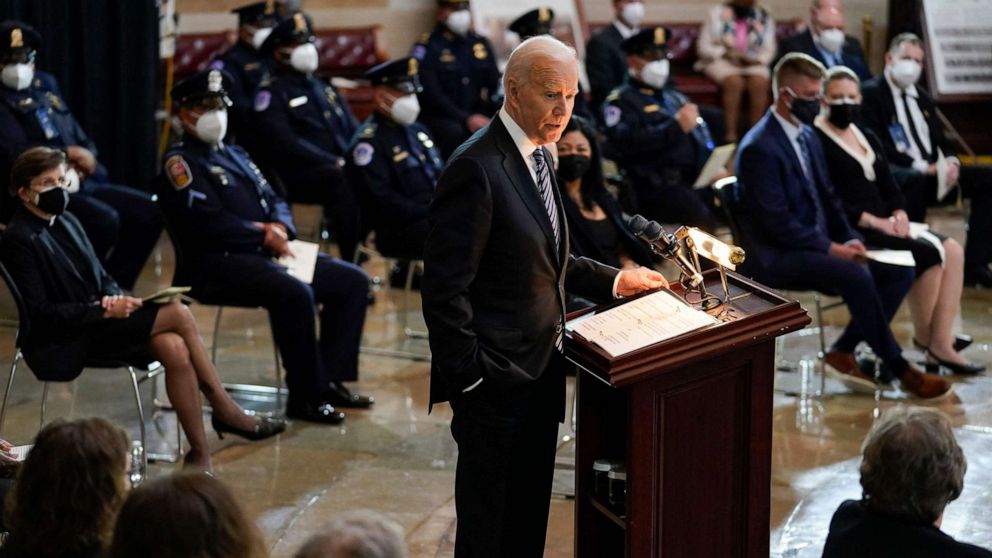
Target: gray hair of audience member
(356,534)
(520,65)
(901,39)
(838,73)
(793,65)
(911,465)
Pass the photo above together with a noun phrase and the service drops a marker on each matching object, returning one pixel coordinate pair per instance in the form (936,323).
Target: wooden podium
(692,420)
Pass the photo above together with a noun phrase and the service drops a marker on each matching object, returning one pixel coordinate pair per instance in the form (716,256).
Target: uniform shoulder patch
(362,154)
(178,172)
(611,115)
(262,100)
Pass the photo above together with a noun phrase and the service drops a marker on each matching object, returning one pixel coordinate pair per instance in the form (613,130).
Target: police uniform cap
(456,4)
(203,85)
(651,43)
(268,11)
(535,22)
(296,29)
(17,37)
(402,74)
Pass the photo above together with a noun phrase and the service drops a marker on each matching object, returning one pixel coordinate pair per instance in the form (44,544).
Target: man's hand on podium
(633,281)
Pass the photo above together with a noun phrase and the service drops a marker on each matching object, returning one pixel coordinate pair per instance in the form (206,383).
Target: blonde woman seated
(874,203)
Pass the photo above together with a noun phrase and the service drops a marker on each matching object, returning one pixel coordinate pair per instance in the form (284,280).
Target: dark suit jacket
(878,112)
(778,213)
(494,284)
(606,64)
(61,300)
(583,242)
(852,55)
(856,531)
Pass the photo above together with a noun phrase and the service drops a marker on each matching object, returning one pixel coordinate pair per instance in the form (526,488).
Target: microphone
(663,244)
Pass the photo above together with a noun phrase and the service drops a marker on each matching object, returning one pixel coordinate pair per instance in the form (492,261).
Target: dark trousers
(328,186)
(678,204)
(920,191)
(506,456)
(402,240)
(448,133)
(871,291)
(341,290)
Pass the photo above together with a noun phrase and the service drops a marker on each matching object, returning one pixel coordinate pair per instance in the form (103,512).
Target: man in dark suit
(797,236)
(606,62)
(494,299)
(905,118)
(824,39)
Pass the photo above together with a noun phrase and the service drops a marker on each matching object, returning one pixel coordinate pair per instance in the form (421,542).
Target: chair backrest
(728,196)
(23,324)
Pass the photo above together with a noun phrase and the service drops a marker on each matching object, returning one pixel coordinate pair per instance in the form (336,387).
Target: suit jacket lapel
(58,253)
(786,146)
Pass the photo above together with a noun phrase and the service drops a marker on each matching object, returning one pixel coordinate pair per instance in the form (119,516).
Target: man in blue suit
(797,236)
(824,39)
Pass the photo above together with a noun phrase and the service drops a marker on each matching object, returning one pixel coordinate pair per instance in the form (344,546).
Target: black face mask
(842,115)
(54,201)
(571,167)
(742,12)
(805,110)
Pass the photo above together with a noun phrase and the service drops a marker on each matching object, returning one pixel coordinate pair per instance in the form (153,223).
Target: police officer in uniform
(244,61)
(394,163)
(659,137)
(304,127)
(459,76)
(122,223)
(230,225)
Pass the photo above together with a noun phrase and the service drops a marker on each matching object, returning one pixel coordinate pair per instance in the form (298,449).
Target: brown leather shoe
(924,386)
(844,367)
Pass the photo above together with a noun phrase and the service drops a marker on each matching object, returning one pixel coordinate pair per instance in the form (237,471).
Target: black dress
(880,197)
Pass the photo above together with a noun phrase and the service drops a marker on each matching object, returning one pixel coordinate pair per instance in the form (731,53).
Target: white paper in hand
(303,261)
(718,161)
(903,258)
(943,187)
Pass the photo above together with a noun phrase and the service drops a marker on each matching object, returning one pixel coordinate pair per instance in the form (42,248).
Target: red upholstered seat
(194,51)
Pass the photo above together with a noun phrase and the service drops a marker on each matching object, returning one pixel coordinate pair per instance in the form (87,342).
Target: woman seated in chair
(875,205)
(595,221)
(77,315)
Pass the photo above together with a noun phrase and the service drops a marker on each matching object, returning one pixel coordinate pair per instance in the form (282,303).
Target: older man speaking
(494,300)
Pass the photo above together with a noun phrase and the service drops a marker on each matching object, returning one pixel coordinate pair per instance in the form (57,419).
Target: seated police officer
(303,128)
(460,77)
(230,224)
(122,223)
(394,163)
(245,63)
(658,136)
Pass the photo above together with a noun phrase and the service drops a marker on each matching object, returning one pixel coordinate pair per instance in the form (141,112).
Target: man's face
(907,51)
(828,18)
(799,87)
(543,104)
(618,5)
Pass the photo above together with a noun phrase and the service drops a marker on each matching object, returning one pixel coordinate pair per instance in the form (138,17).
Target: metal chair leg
(407,289)
(6,394)
(279,379)
(44,405)
(213,345)
(823,345)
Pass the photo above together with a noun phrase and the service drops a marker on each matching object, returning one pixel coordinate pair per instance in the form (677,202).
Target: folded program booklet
(167,294)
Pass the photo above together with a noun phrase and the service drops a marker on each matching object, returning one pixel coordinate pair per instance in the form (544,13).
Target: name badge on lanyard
(899,137)
(45,121)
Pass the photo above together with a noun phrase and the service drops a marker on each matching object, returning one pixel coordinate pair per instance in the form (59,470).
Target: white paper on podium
(718,160)
(642,322)
(303,261)
(902,258)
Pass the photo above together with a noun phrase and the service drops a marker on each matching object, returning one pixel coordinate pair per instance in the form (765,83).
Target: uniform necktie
(426,164)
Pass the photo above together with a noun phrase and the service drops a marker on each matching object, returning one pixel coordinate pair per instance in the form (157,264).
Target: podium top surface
(755,314)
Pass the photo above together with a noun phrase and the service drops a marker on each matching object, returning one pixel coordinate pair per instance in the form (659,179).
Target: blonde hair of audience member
(189,514)
(911,465)
(356,534)
(541,81)
(69,489)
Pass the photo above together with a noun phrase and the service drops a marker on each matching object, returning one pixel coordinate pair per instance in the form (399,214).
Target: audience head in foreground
(187,514)
(68,490)
(356,534)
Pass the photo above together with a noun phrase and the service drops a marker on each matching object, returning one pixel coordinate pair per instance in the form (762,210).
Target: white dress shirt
(922,127)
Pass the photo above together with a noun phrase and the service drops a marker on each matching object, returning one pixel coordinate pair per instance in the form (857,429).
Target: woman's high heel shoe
(954,367)
(265,427)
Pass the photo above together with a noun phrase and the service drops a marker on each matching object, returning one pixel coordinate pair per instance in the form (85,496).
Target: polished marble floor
(398,459)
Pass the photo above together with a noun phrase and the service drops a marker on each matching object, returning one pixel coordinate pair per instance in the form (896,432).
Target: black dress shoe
(954,367)
(340,395)
(961,342)
(264,428)
(978,276)
(322,412)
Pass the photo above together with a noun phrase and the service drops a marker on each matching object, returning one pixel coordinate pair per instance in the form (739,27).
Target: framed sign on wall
(958,38)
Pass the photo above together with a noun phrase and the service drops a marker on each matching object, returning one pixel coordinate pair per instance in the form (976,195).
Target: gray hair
(912,466)
(901,39)
(838,73)
(521,61)
(356,534)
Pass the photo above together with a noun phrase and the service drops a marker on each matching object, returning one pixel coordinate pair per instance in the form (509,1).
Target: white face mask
(633,14)
(259,37)
(906,72)
(655,74)
(212,126)
(304,58)
(832,39)
(17,76)
(459,22)
(71,180)
(405,110)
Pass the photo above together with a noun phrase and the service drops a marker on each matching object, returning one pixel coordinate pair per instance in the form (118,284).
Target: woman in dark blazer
(875,205)
(595,221)
(78,314)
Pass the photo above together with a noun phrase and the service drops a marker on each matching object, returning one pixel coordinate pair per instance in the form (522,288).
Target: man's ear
(511,92)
